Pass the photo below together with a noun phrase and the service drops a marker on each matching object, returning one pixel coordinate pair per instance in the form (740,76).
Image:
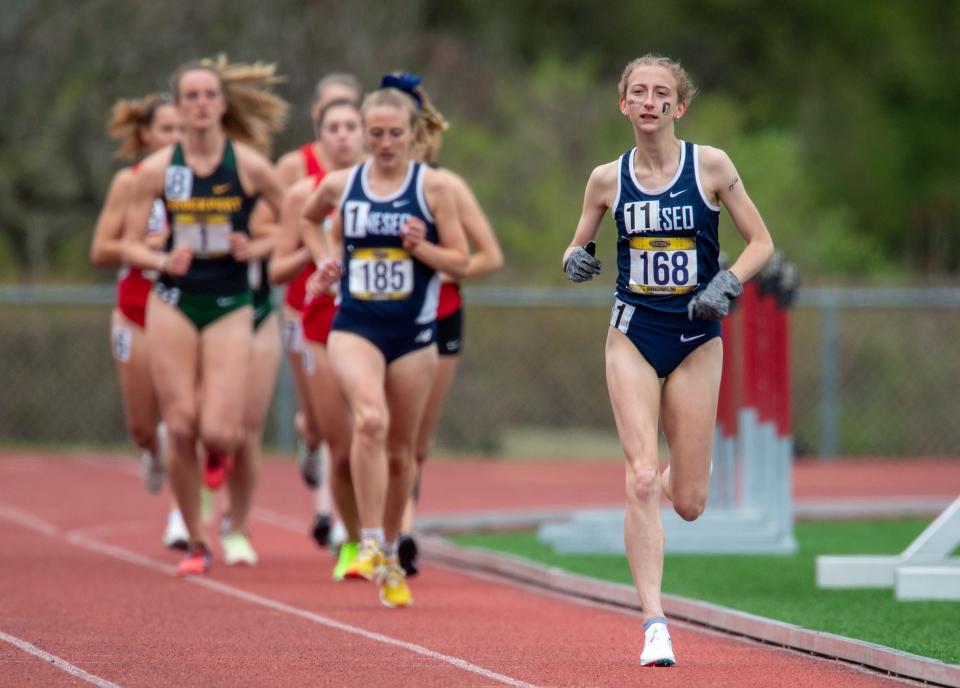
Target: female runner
(485,258)
(341,140)
(142,126)
(665,196)
(200,313)
(309,160)
(398,224)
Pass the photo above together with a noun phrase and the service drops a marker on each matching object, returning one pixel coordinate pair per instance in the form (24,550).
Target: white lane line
(369,635)
(58,662)
(275,518)
(130,557)
(28,521)
(108,529)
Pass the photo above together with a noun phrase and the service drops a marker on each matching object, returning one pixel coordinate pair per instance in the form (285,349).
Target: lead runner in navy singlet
(399,227)
(665,195)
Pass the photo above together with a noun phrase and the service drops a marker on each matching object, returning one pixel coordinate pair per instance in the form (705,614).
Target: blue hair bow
(403,81)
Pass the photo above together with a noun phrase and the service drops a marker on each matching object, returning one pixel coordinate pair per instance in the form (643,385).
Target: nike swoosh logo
(675,194)
(219,189)
(684,338)
(227,301)
(397,204)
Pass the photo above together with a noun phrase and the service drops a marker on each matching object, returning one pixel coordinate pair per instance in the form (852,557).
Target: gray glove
(714,302)
(580,265)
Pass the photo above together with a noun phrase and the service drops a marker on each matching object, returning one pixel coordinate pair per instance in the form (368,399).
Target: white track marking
(347,628)
(28,521)
(274,518)
(111,529)
(78,539)
(58,662)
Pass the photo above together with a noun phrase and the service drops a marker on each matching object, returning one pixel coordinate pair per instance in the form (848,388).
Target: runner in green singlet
(200,316)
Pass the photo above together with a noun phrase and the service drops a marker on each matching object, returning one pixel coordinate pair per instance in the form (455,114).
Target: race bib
(158,218)
(663,265)
(355,214)
(381,274)
(292,335)
(207,235)
(641,216)
(122,341)
(255,274)
(178,183)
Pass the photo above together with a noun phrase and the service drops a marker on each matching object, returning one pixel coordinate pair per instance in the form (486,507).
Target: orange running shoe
(196,562)
(216,468)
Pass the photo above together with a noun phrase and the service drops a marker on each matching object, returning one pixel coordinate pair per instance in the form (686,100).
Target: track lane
(507,629)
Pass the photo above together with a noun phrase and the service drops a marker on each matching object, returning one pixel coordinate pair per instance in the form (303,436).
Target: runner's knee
(399,461)
(181,431)
(643,484)
(143,434)
(689,504)
(225,440)
(371,422)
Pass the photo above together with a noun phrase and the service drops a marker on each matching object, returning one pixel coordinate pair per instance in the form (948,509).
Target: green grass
(782,587)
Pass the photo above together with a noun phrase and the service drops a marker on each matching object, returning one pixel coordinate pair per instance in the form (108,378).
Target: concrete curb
(723,619)
(805,510)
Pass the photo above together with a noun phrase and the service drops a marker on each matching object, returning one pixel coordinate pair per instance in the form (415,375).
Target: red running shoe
(196,562)
(216,468)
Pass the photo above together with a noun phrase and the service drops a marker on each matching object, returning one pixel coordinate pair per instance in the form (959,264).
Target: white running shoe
(657,647)
(176,536)
(153,463)
(338,535)
(237,550)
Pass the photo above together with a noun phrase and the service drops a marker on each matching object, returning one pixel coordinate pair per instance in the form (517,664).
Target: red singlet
(297,288)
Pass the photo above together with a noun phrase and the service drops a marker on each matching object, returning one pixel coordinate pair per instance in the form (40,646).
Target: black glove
(580,265)
(713,303)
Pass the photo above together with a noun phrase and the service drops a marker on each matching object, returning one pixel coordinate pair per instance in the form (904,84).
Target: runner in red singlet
(309,160)
(340,136)
(142,127)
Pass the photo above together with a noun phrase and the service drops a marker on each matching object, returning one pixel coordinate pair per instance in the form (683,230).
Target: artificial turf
(782,587)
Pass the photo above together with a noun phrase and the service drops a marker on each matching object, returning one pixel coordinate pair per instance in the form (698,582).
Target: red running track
(86,581)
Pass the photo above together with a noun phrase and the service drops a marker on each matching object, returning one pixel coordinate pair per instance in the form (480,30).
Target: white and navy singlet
(667,244)
(382,282)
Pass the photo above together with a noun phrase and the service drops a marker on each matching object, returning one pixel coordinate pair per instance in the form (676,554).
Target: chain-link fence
(874,371)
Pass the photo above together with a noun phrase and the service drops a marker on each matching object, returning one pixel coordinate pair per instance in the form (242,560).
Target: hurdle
(750,505)
(923,571)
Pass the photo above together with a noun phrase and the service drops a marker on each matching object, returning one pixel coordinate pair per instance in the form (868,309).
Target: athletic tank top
(310,161)
(667,245)
(297,288)
(202,212)
(381,281)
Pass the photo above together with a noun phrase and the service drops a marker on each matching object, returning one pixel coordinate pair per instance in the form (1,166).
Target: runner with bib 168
(665,197)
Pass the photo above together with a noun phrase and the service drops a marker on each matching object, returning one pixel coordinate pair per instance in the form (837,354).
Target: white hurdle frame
(923,571)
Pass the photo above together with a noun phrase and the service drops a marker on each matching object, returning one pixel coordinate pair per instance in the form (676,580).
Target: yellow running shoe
(369,558)
(348,553)
(394,591)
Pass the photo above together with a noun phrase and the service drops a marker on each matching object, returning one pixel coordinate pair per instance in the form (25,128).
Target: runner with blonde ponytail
(141,126)
(485,258)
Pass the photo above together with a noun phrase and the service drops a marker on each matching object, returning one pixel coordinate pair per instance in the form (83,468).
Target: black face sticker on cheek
(666,108)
